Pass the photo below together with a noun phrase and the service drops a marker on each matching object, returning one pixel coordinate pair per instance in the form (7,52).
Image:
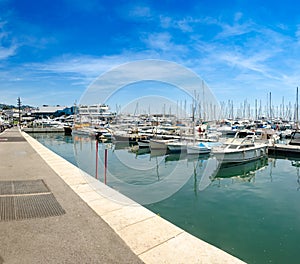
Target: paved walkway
(78,236)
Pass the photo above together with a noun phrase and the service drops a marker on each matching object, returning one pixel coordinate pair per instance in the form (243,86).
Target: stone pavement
(74,234)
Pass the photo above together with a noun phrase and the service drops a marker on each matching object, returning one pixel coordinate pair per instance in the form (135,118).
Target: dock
(53,212)
(284,149)
(43,129)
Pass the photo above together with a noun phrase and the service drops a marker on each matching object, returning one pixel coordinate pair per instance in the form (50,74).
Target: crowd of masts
(203,109)
(231,110)
(257,110)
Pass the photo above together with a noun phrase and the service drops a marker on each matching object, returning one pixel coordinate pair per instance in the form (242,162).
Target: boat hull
(240,156)
(68,130)
(158,144)
(285,150)
(132,139)
(176,148)
(197,150)
(144,143)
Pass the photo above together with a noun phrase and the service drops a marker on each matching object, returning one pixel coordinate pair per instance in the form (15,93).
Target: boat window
(242,134)
(246,146)
(296,136)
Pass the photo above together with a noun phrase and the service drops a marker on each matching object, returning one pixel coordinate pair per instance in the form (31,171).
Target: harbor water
(250,210)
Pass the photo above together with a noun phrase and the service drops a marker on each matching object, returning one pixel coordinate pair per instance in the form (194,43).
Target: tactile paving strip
(7,209)
(27,199)
(23,187)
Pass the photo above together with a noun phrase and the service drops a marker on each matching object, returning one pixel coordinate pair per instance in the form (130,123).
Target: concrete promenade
(91,223)
(78,236)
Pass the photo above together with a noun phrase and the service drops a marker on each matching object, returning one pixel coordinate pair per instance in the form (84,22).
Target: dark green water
(251,211)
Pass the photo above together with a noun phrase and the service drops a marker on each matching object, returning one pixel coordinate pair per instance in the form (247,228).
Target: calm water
(251,211)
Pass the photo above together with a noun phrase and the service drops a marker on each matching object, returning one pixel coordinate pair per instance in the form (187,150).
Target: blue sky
(50,51)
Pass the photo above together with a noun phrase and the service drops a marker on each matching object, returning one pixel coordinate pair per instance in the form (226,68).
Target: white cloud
(140,11)
(87,66)
(297,33)
(135,12)
(189,24)
(234,30)
(165,22)
(238,16)
(9,49)
(162,42)
(7,52)
(185,24)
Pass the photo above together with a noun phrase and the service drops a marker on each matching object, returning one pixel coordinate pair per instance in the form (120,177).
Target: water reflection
(144,176)
(245,171)
(295,163)
(214,171)
(204,169)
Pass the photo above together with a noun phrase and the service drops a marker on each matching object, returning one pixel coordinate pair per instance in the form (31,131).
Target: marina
(228,182)
(249,210)
(149,132)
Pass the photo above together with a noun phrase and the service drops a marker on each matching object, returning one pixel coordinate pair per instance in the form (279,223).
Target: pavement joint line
(24,194)
(87,200)
(161,243)
(110,211)
(121,203)
(137,222)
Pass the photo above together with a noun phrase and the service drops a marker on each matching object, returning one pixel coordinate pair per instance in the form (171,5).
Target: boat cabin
(295,138)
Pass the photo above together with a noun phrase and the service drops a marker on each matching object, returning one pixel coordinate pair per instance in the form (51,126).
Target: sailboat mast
(203,100)
(270,106)
(297,117)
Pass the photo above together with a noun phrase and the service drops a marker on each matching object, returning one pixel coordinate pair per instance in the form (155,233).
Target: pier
(52,212)
(43,130)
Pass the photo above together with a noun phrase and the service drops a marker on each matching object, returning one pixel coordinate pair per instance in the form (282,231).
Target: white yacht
(238,150)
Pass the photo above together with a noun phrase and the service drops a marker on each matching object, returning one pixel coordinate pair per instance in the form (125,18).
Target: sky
(51,51)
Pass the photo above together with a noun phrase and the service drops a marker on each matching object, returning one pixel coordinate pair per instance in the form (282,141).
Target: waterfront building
(94,114)
(47,110)
(53,111)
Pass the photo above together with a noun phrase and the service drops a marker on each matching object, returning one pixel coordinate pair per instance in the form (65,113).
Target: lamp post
(19,107)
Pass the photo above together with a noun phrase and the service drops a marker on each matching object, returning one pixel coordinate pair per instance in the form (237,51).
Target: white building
(47,110)
(94,113)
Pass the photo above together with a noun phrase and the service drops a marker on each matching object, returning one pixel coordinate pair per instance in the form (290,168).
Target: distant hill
(5,106)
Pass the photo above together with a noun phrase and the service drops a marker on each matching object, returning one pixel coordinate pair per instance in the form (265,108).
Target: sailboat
(199,147)
(292,147)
